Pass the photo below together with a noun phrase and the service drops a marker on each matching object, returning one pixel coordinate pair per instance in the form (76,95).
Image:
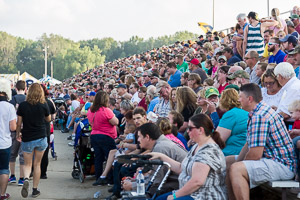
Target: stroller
(53,153)
(83,164)
(61,117)
(142,161)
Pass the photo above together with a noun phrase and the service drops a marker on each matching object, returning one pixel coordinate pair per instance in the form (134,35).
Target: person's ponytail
(217,138)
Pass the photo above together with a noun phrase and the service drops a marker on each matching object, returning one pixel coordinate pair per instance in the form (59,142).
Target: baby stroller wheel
(81,177)
(75,174)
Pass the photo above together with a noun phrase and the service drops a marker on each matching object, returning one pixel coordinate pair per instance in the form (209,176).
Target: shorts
(264,170)
(39,145)
(16,149)
(4,161)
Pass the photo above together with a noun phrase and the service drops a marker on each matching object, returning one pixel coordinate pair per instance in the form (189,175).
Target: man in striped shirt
(268,154)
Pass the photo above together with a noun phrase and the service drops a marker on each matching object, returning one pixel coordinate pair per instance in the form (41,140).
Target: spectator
(260,154)
(288,43)
(122,89)
(142,95)
(294,109)
(233,124)
(260,69)
(173,98)
(175,75)
(186,100)
(154,79)
(205,155)
(242,20)
(251,58)
(111,104)
(194,82)
(285,75)
(271,89)
(182,66)
(8,124)
(195,67)
(231,58)
(296,54)
(33,113)
(221,82)
(133,90)
(291,29)
(281,26)
(163,106)
(208,82)
(278,54)
(103,122)
(152,98)
(146,76)
(295,19)
(238,41)
(184,79)
(268,34)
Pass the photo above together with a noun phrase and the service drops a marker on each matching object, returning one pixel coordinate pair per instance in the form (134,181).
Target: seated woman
(205,155)
(233,124)
(127,137)
(194,82)
(166,129)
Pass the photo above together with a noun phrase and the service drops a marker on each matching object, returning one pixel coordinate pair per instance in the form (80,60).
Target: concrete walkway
(60,184)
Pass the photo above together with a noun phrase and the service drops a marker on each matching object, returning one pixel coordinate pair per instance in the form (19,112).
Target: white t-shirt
(271,100)
(75,104)
(135,98)
(7,114)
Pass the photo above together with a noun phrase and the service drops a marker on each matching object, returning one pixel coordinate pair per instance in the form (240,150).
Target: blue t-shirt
(297,71)
(233,59)
(278,58)
(235,120)
(152,104)
(183,140)
(174,80)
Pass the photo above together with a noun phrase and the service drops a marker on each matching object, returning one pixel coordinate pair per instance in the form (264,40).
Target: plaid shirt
(267,129)
(163,108)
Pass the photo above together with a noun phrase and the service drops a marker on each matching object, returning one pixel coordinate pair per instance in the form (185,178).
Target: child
(260,69)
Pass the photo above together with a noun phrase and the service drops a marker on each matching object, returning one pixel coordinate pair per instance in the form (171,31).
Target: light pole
(45,50)
(268,6)
(213,14)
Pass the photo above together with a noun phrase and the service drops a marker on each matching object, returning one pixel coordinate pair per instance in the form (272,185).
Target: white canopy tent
(50,80)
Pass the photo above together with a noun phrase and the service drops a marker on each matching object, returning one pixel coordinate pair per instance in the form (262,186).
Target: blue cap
(92,93)
(289,38)
(121,85)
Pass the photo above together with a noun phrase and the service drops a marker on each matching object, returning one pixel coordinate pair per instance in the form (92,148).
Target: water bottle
(97,195)
(140,182)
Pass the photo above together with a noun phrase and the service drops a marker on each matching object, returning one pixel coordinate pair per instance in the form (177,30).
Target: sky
(121,19)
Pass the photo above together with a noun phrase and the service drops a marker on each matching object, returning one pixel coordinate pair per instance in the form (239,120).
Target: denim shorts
(4,161)
(39,145)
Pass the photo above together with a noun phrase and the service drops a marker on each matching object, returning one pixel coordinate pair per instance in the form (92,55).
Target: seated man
(268,154)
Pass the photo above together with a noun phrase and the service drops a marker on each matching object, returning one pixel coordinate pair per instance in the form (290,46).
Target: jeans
(38,144)
(297,154)
(101,144)
(165,196)
(4,161)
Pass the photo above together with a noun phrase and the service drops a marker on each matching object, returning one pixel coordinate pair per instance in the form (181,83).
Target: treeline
(69,57)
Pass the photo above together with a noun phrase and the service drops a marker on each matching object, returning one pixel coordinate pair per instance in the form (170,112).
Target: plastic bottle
(97,195)
(140,182)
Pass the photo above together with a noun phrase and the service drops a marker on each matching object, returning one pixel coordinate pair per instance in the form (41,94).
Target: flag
(205,27)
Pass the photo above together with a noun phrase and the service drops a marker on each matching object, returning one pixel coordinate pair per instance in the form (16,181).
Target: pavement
(60,184)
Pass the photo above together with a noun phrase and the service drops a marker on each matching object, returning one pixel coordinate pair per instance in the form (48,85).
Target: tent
(50,80)
(25,76)
(11,77)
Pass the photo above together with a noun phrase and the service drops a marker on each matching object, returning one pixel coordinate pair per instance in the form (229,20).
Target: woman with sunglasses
(271,88)
(206,155)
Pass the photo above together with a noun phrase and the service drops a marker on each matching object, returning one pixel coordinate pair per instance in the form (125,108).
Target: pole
(51,68)
(268,5)
(213,23)
(45,60)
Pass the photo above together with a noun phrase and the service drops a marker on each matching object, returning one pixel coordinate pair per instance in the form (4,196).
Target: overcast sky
(121,19)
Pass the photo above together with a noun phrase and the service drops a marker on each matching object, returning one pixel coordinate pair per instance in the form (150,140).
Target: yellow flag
(205,27)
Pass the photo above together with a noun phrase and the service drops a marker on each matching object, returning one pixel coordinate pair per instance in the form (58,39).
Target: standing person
(7,124)
(281,26)
(33,113)
(103,122)
(16,145)
(45,160)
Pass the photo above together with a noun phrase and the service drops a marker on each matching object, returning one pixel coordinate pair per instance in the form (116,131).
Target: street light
(45,50)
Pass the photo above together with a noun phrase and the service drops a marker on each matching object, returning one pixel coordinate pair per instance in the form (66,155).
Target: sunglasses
(269,83)
(190,128)
(271,43)
(145,76)
(221,61)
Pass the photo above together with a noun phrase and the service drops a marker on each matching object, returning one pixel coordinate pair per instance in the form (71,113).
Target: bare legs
(109,162)
(3,183)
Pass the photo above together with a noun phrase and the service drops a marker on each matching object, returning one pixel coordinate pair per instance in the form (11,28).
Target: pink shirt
(174,139)
(100,122)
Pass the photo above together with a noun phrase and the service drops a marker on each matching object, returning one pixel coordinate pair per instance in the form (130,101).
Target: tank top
(255,41)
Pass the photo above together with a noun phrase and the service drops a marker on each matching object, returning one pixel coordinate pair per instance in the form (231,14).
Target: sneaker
(65,131)
(100,181)
(44,176)
(295,190)
(6,196)
(24,191)
(20,182)
(35,193)
(69,137)
(12,179)
(71,144)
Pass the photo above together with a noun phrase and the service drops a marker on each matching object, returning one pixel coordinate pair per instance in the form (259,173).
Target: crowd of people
(223,111)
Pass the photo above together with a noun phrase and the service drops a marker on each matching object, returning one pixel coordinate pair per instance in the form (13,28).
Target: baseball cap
(139,70)
(92,93)
(154,75)
(294,16)
(240,74)
(222,57)
(186,45)
(296,50)
(195,61)
(233,86)
(290,23)
(121,85)
(289,38)
(159,85)
(211,91)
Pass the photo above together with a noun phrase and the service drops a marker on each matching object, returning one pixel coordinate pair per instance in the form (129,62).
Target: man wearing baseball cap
(296,53)
(121,89)
(295,20)
(238,78)
(194,67)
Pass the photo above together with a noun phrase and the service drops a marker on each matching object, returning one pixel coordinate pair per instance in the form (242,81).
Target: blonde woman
(173,99)
(186,100)
(281,26)
(233,124)
(33,113)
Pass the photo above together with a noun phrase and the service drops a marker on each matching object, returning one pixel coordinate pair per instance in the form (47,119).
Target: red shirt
(221,88)
(296,124)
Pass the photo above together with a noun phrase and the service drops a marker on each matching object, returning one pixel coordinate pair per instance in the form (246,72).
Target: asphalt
(60,184)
